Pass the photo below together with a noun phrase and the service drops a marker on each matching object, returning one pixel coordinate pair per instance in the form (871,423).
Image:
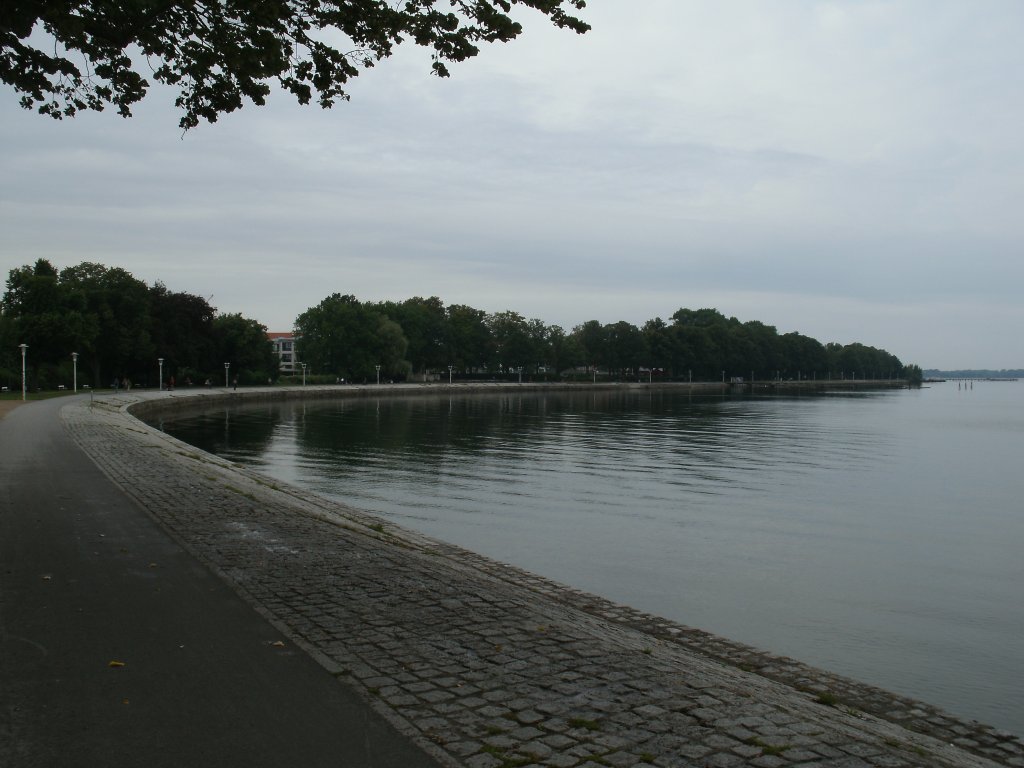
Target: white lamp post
(226,367)
(378,374)
(303,373)
(74,365)
(23,348)
(450,374)
(160,360)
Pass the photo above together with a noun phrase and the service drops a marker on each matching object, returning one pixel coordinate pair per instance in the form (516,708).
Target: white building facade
(284,348)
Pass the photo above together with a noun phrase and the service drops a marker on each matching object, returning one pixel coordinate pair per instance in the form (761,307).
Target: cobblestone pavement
(488,666)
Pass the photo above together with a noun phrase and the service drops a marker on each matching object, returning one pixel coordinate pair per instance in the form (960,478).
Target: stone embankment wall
(488,666)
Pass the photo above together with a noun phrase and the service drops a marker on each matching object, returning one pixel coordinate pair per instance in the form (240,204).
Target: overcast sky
(849,170)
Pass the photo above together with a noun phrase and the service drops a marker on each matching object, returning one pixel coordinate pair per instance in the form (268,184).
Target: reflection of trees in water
(439,427)
(432,428)
(245,430)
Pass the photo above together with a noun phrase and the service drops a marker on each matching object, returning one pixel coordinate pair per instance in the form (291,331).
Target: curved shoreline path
(89,582)
(480,664)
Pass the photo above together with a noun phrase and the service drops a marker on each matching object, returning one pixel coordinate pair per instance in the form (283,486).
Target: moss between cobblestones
(828,698)
(768,749)
(507,761)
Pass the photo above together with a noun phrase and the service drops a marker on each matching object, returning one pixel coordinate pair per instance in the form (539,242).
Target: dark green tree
(761,351)
(593,342)
(345,338)
(35,306)
(183,334)
(120,327)
(472,347)
(243,344)
(390,349)
(802,356)
(860,361)
(696,352)
(540,342)
(913,375)
(625,345)
(424,323)
(63,57)
(34,311)
(704,342)
(116,307)
(658,343)
(563,351)
(698,318)
(514,348)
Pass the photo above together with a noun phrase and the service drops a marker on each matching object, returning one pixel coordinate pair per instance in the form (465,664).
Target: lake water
(879,535)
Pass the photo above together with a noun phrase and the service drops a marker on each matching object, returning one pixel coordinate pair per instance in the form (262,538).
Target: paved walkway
(118,648)
(481,664)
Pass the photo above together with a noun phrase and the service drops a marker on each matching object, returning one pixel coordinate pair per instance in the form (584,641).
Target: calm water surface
(877,535)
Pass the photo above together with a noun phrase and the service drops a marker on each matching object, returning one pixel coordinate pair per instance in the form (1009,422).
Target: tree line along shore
(119,327)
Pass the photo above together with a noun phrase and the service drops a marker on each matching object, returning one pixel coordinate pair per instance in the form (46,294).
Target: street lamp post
(160,360)
(378,374)
(24,347)
(74,365)
(303,373)
(226,367)
(450,374)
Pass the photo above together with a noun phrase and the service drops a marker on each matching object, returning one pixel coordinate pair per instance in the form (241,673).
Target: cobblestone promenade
(488,666)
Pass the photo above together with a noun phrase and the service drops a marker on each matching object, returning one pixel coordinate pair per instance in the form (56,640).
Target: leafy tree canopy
(119,328)
(67,56)
(343,337)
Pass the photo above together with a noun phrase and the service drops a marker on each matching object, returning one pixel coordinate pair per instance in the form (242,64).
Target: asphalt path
(118,648)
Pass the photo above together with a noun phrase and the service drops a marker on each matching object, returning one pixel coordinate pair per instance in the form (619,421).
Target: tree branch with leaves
(66,57)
